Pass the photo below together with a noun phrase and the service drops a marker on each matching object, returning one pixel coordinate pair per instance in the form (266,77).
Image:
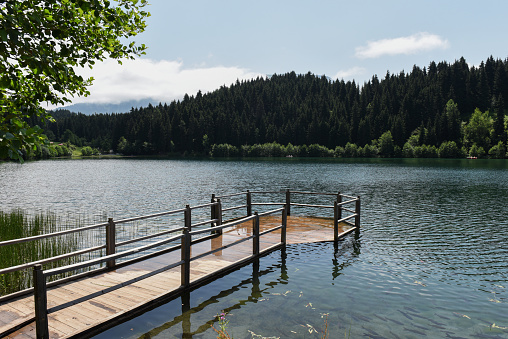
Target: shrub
(498,151)
(476,151)
(368,151)
(426,151)
(408,151)
(224,150)
(339,151)
(351,150)
(449,149)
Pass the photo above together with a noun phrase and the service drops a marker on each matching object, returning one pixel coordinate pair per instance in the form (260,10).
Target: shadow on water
(198,309)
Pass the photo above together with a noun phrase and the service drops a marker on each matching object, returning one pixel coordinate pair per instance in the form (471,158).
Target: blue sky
(202,45)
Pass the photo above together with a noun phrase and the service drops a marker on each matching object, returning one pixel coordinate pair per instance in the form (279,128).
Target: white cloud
(349,73)
(412,44)
(163,80)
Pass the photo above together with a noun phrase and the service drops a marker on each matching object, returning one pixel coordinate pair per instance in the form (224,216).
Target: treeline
(383,147)
(422,110)
(51,150)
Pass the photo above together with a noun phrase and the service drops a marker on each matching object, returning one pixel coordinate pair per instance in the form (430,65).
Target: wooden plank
(141,286)
(25,333)
(84,309)
(8,315)
(59,328)
(105,307)
(22,308)
(106,300)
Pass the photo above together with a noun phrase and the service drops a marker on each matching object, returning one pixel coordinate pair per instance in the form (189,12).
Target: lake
(431,258)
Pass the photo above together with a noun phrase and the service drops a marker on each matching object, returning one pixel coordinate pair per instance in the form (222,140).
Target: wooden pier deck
(107,309)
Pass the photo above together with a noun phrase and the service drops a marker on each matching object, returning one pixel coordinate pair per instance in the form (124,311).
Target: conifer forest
(445,110)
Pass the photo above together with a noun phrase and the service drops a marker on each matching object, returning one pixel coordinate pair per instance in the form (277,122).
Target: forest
(445,110)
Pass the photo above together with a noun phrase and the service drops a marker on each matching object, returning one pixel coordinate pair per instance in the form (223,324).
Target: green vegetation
(42,43)
(452,109)
(17,224)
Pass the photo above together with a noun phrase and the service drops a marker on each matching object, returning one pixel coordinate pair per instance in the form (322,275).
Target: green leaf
(3,34)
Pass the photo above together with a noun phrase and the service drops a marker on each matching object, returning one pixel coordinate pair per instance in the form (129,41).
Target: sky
(203,45)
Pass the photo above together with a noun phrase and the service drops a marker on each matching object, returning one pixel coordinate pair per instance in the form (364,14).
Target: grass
(18,224)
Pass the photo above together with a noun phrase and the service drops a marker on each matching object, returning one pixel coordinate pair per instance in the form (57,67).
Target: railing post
(288,202)
(186,250)
(255,233)
(335,221)
(339,211)
(218,214)
(357,211)
(41,303)
(110,241)
(212,210)
(249,203)
(284,226)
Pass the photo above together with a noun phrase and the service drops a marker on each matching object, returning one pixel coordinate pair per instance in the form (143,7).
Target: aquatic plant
(222,332)
(19,224)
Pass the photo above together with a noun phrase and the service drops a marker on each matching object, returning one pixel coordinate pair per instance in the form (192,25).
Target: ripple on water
(431,258)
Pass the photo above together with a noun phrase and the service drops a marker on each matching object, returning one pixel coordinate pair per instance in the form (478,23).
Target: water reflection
(266,281)
(342,249)
(255,295)
(433,238)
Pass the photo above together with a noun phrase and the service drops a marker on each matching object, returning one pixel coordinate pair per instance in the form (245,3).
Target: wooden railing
(40,276)
(188,235)
(342,203)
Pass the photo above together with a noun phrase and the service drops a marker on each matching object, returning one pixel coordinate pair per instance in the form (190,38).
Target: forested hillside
(425,107)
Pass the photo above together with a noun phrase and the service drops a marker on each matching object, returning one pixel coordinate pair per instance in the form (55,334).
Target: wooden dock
(89,305)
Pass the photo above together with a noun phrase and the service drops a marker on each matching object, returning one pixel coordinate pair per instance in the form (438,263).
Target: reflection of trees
(256,292)
(347,245)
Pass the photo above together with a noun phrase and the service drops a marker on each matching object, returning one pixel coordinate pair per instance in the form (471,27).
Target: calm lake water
(431,258)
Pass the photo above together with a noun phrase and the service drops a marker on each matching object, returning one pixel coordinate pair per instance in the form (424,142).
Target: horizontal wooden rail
(48,260)
(204,223)
(229,195)
(149,255)
(100,260)
(347,202)
(267,203)
(349,196)
(203,206)
(314,193)
(233,208)
(347,218)
(220,227)
(347,209)
(271,230)
(221,248)
(267,192)
(340,235)
(308,205)
(49,235)
(149,216)
(122,243)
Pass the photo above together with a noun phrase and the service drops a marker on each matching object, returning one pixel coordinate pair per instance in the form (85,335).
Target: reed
(19,224)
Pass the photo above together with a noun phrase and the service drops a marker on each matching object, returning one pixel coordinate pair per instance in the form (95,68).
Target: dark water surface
(431,259)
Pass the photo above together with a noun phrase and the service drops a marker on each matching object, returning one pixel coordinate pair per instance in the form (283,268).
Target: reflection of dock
(93,303)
